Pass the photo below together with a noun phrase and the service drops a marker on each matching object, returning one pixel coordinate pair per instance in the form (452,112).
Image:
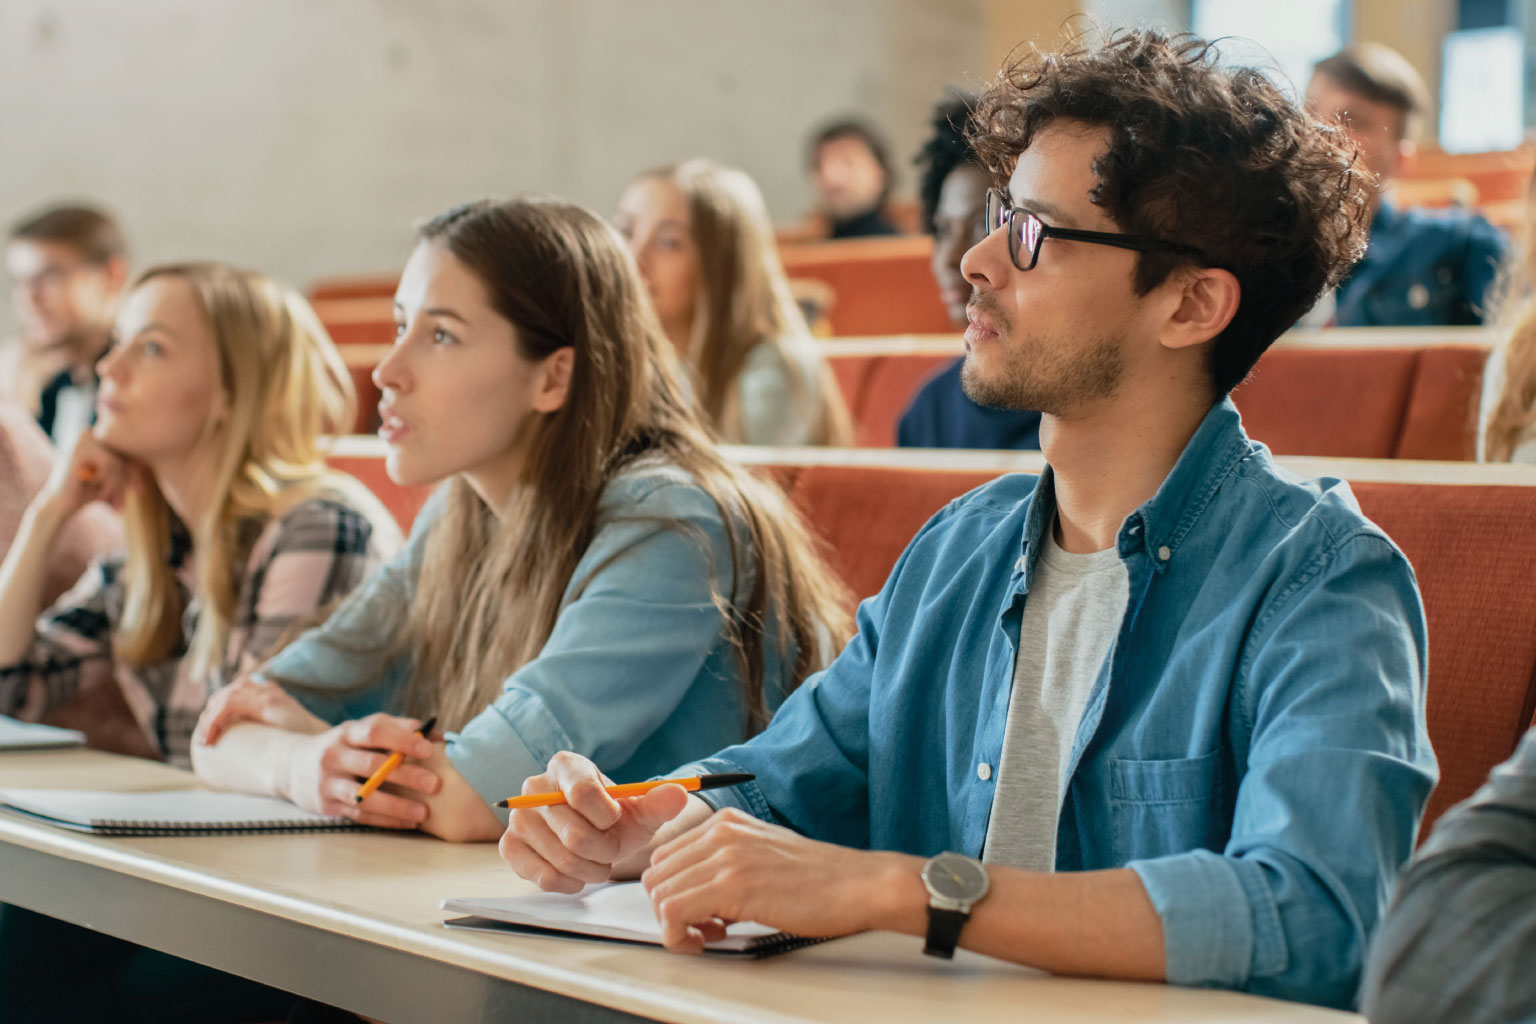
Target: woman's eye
(153,348)
(442,337)
(399,329)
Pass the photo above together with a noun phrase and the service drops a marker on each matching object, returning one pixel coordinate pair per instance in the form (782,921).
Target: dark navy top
(943,416)
(1421,269)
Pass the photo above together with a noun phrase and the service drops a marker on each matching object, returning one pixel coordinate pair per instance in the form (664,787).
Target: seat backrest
(1441,423)
(1473,549)
(882,285)
(1342,403)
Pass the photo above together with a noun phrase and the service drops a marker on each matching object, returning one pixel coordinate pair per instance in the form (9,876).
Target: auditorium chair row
(1469,530)
(1343,396)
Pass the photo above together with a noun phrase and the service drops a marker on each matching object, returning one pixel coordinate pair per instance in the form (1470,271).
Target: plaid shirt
(300,562)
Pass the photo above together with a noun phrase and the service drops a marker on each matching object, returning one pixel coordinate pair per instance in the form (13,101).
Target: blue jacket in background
(941,415)
(1254,746)
(1421,269)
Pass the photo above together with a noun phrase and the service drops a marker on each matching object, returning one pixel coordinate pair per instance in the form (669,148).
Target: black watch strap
(944,931)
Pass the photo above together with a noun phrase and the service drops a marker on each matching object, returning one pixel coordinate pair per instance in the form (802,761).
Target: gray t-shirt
(1071,618)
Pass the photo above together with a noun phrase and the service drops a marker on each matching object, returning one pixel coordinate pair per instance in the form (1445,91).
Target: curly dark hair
(1212,157)
(947,149)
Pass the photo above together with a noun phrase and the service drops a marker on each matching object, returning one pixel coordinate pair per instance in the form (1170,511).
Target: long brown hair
(493,581)
(287,389)
(745,299)
(1512,417)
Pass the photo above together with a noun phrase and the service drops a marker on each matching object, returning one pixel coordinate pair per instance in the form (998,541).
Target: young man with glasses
(68,267)
(1156,714)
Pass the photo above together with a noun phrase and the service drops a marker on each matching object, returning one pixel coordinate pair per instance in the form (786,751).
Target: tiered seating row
(1469,531)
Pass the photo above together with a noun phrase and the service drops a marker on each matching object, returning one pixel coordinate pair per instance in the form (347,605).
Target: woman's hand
(90,472)
(245,700)
(323,772)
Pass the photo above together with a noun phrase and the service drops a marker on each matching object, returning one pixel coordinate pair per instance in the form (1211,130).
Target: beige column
(1011,22)
(1414,28)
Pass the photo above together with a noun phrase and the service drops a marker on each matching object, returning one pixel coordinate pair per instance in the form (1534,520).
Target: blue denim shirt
(637,675)
(1254,746)
(1421,269)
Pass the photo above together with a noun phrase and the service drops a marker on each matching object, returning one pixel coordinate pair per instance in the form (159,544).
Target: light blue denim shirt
(637,674)
(1254,746)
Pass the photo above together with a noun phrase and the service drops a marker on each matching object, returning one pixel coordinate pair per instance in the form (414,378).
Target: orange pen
(692,783)
(392,762)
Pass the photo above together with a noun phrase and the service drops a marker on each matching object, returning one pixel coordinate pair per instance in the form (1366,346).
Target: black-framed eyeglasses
(1026,232)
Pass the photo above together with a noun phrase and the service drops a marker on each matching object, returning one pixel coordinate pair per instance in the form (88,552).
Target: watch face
(953,877)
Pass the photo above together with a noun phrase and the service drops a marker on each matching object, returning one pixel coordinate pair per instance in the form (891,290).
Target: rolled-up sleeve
(1460,938)
(1337,775)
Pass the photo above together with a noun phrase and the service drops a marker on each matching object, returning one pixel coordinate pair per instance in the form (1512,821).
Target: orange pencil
(392,762)
(691,783)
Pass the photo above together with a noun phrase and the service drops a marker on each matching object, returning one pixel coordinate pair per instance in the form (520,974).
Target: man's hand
(563,848)
(737,868)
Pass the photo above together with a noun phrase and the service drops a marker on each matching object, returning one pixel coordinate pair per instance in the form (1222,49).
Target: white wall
(304,136)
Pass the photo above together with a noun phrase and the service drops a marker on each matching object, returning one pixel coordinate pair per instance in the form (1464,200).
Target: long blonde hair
(286,387)
(1512,417)
(492,585)
(745,300)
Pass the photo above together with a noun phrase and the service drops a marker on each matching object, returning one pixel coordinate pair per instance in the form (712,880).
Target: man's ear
(553,382)
(1207,302)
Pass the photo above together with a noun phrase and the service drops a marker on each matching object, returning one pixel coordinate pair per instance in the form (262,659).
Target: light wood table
(353,920)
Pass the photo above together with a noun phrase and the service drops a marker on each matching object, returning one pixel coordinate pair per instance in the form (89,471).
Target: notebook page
(614,910)
(182,808)
(16,735)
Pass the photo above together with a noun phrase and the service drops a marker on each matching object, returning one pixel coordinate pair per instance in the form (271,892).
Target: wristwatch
(956,883)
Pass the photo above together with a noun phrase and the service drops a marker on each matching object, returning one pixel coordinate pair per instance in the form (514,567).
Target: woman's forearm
(248,758)
(21,579)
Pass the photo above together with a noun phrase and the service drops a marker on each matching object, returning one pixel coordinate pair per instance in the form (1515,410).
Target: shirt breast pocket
(1169,806)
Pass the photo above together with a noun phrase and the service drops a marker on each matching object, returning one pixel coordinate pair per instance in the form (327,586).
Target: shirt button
(1163,554)
(983,771)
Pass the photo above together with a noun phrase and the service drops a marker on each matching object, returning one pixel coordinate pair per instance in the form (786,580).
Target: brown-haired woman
(594,576)
(701,236)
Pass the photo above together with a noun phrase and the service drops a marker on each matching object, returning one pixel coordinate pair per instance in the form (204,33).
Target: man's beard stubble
(1040,374)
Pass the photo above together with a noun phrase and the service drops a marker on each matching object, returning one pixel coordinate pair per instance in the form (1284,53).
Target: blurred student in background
(68,266)
(1421,268)
(214,400)
(595,575)
(701,236)
(851,170)
(953,192)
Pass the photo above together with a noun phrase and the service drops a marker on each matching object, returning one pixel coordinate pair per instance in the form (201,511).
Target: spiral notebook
(16,735)
(179,812)
(615,911)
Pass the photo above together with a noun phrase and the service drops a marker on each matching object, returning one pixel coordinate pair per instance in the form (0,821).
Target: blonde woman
(594,576)
(214,399)
(701,236)
(1507,418)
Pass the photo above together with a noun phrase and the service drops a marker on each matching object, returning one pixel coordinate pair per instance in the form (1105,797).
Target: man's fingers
(649,812)
(534,830)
